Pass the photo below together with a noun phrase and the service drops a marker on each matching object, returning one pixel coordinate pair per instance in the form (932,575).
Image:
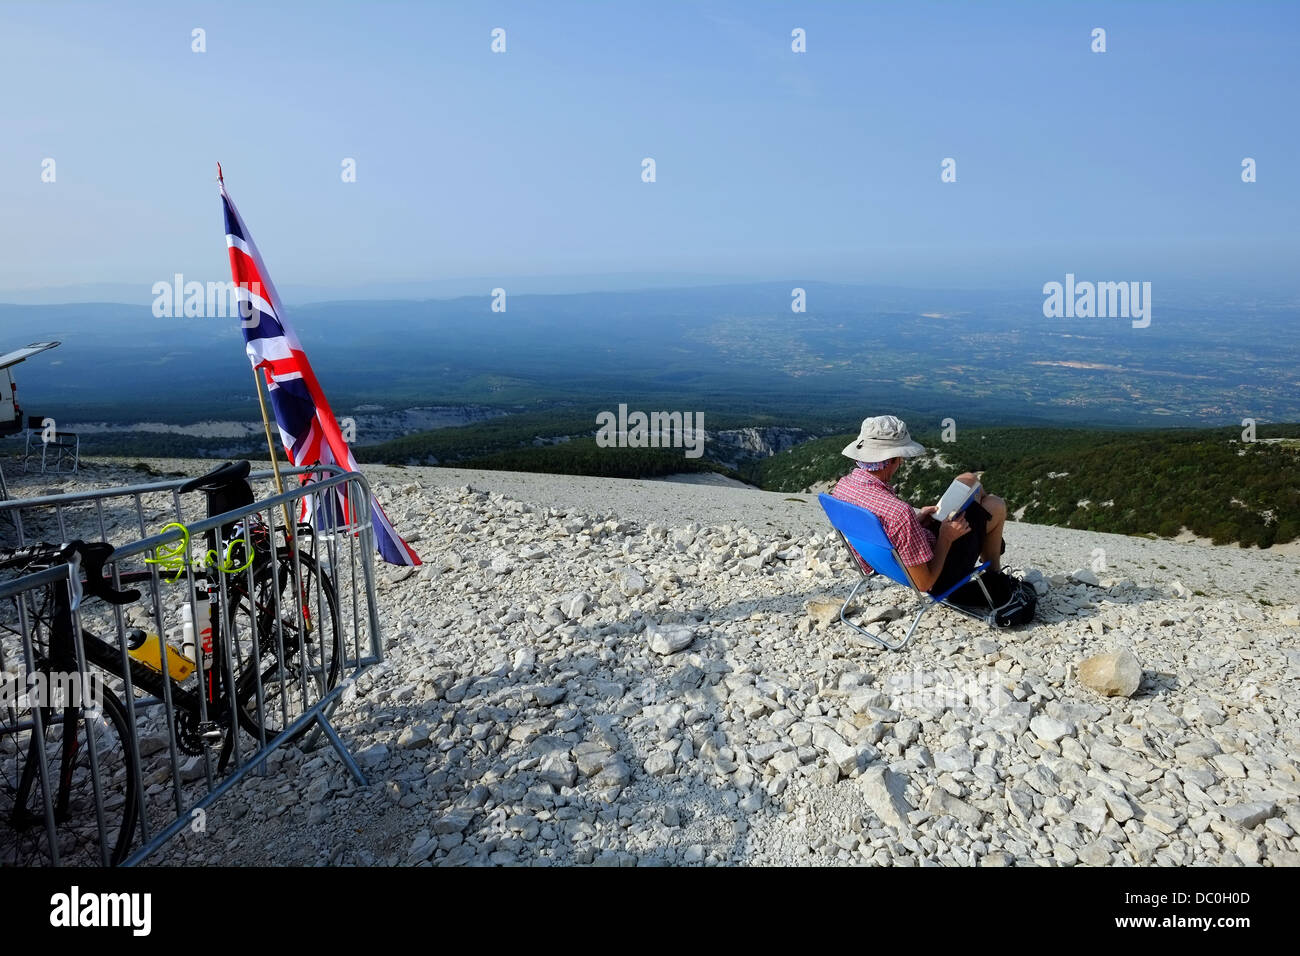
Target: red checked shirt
(913,542)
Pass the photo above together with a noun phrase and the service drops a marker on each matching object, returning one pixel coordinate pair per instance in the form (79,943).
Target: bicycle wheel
(67,734)
(299,642)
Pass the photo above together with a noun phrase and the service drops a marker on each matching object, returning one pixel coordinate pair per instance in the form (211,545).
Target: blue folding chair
(860,530)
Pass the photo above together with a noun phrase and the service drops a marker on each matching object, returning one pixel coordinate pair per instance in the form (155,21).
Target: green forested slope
(1206,480)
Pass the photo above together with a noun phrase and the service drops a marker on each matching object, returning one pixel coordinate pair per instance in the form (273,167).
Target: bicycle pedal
(210,734)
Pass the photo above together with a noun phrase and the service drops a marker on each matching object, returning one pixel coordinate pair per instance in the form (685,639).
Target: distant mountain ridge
(717,349)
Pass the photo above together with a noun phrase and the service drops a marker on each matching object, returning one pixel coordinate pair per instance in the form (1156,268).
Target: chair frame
(63,441)
(925,599)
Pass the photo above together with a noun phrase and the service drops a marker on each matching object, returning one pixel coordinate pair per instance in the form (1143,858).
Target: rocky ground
(640,673)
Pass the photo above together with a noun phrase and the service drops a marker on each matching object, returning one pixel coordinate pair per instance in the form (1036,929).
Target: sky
(770,164)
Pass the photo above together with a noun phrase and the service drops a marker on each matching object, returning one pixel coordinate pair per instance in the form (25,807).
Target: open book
(956,500)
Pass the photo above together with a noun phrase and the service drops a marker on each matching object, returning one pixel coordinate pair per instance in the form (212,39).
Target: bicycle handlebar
(43,554)
(93,555)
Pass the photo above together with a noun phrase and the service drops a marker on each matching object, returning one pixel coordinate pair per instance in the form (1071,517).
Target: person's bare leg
(992,550)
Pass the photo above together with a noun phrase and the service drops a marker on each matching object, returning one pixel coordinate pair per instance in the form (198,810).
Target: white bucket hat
(882,438)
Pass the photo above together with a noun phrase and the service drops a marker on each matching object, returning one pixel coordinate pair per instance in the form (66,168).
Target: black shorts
(964,553)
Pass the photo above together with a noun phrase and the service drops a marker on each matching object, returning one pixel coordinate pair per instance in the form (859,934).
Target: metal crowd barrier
(64,792)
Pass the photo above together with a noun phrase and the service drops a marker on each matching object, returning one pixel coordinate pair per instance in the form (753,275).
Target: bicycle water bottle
(188,647)
(147,649)
(203,628)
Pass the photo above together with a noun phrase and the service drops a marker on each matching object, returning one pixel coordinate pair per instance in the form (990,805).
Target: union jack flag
(307,426)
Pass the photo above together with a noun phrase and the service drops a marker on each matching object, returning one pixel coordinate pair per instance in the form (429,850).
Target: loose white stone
(883,790)
(1084,576)
(1049,728)
(668,639)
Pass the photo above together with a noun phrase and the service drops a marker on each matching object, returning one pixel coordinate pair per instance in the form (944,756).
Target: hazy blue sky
(771,164)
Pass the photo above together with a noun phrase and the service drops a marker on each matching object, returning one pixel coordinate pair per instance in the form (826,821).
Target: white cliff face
(734,446)
(761,441)
(625,672)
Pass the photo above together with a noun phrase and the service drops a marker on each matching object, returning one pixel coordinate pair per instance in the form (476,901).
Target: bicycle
(271,641)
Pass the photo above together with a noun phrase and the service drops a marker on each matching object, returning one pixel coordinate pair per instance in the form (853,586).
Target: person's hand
(928,511)
(951,530)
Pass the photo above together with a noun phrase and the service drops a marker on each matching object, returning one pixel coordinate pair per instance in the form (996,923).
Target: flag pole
(275,464)
(266,423)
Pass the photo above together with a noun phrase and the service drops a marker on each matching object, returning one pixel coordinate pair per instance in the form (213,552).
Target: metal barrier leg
(232,780)
(341,749)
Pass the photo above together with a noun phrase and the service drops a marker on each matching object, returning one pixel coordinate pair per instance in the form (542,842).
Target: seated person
(936,555)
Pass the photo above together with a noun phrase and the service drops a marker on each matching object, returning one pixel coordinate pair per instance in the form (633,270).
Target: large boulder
(1117,674)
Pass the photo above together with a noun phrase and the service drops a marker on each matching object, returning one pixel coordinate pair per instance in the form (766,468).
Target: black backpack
(1014,599)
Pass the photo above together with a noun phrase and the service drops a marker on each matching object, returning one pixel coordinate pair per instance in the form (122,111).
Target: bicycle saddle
(217,479)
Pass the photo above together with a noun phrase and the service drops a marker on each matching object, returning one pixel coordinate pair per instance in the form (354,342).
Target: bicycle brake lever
(93,556)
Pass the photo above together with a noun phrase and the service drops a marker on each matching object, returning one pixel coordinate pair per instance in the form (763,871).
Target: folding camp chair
(63,445)
(860,531)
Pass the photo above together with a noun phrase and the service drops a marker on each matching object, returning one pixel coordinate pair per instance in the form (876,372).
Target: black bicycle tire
(116,714)
(246,682)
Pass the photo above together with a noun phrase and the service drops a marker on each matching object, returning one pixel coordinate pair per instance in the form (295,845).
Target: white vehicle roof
(17,355)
